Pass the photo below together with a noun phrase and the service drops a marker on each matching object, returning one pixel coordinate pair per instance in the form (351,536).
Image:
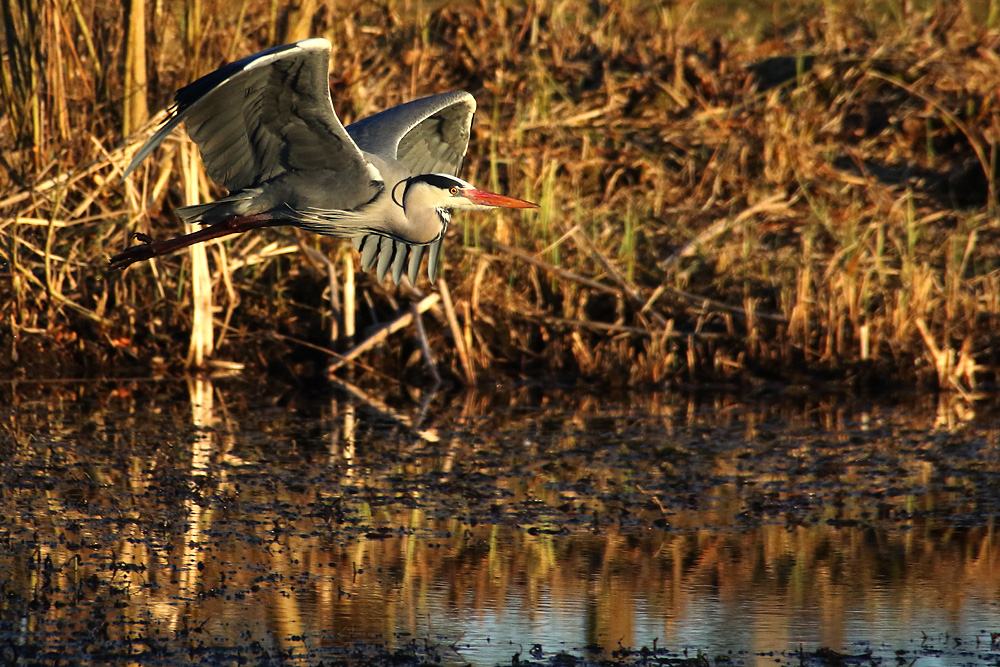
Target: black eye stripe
(437,180)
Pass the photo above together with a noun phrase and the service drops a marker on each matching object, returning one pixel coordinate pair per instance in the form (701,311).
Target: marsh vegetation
(807,195)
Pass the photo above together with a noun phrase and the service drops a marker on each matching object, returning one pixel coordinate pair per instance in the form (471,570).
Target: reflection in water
(214,516)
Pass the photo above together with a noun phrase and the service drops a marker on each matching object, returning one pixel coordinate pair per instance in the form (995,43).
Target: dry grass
(813,198)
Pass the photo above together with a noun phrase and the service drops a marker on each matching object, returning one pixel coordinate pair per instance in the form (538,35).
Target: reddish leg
(150,248)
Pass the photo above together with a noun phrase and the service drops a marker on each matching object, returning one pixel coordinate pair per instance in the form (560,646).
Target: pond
(202,521)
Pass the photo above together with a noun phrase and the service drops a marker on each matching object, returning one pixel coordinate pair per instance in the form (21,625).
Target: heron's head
(448,193)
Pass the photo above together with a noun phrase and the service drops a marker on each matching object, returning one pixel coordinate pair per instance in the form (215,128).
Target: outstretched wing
(429,136)
(263,115)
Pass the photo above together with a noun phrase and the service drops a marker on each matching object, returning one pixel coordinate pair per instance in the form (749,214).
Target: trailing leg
(150,248)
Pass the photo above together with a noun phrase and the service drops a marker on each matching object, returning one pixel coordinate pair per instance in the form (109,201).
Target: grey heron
(267,131)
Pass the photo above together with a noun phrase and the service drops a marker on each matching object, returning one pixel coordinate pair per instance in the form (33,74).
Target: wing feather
(370,251)
(386,250)
(434,256)
(416,254)
(399,263)
(264,115)
(429,135)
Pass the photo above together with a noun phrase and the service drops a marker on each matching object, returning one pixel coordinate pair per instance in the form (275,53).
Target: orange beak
(486,198)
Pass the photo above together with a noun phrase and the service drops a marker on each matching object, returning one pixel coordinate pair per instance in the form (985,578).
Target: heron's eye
(453,190)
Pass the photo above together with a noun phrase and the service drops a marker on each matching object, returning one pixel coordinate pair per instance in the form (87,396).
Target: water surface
(201,522)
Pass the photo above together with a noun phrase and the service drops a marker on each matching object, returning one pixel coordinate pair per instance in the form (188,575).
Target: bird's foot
(133,254)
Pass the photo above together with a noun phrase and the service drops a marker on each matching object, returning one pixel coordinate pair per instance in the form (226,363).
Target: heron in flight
(267,131)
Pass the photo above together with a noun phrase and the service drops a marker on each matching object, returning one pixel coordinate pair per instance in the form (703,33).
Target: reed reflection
(495,522)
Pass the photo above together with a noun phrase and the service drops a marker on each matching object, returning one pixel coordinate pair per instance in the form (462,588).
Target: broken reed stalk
(626,288)
(425,347)
(456,333)
(563,273)
(349,294)
(385,331)
(369,370)
(135,111)
(202,333)
(333,285)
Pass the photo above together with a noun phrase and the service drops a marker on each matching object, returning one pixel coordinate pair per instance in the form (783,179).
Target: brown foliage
(810,198)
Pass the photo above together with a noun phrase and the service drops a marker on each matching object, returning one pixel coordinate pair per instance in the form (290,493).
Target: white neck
(426,217)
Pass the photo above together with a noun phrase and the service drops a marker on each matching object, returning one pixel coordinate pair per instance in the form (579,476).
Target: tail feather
(199,213)
(236,204)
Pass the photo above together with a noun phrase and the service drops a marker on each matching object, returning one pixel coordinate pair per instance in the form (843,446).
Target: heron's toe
(131,255)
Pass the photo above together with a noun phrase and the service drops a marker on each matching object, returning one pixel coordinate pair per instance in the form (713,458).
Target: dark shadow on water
(201,522)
